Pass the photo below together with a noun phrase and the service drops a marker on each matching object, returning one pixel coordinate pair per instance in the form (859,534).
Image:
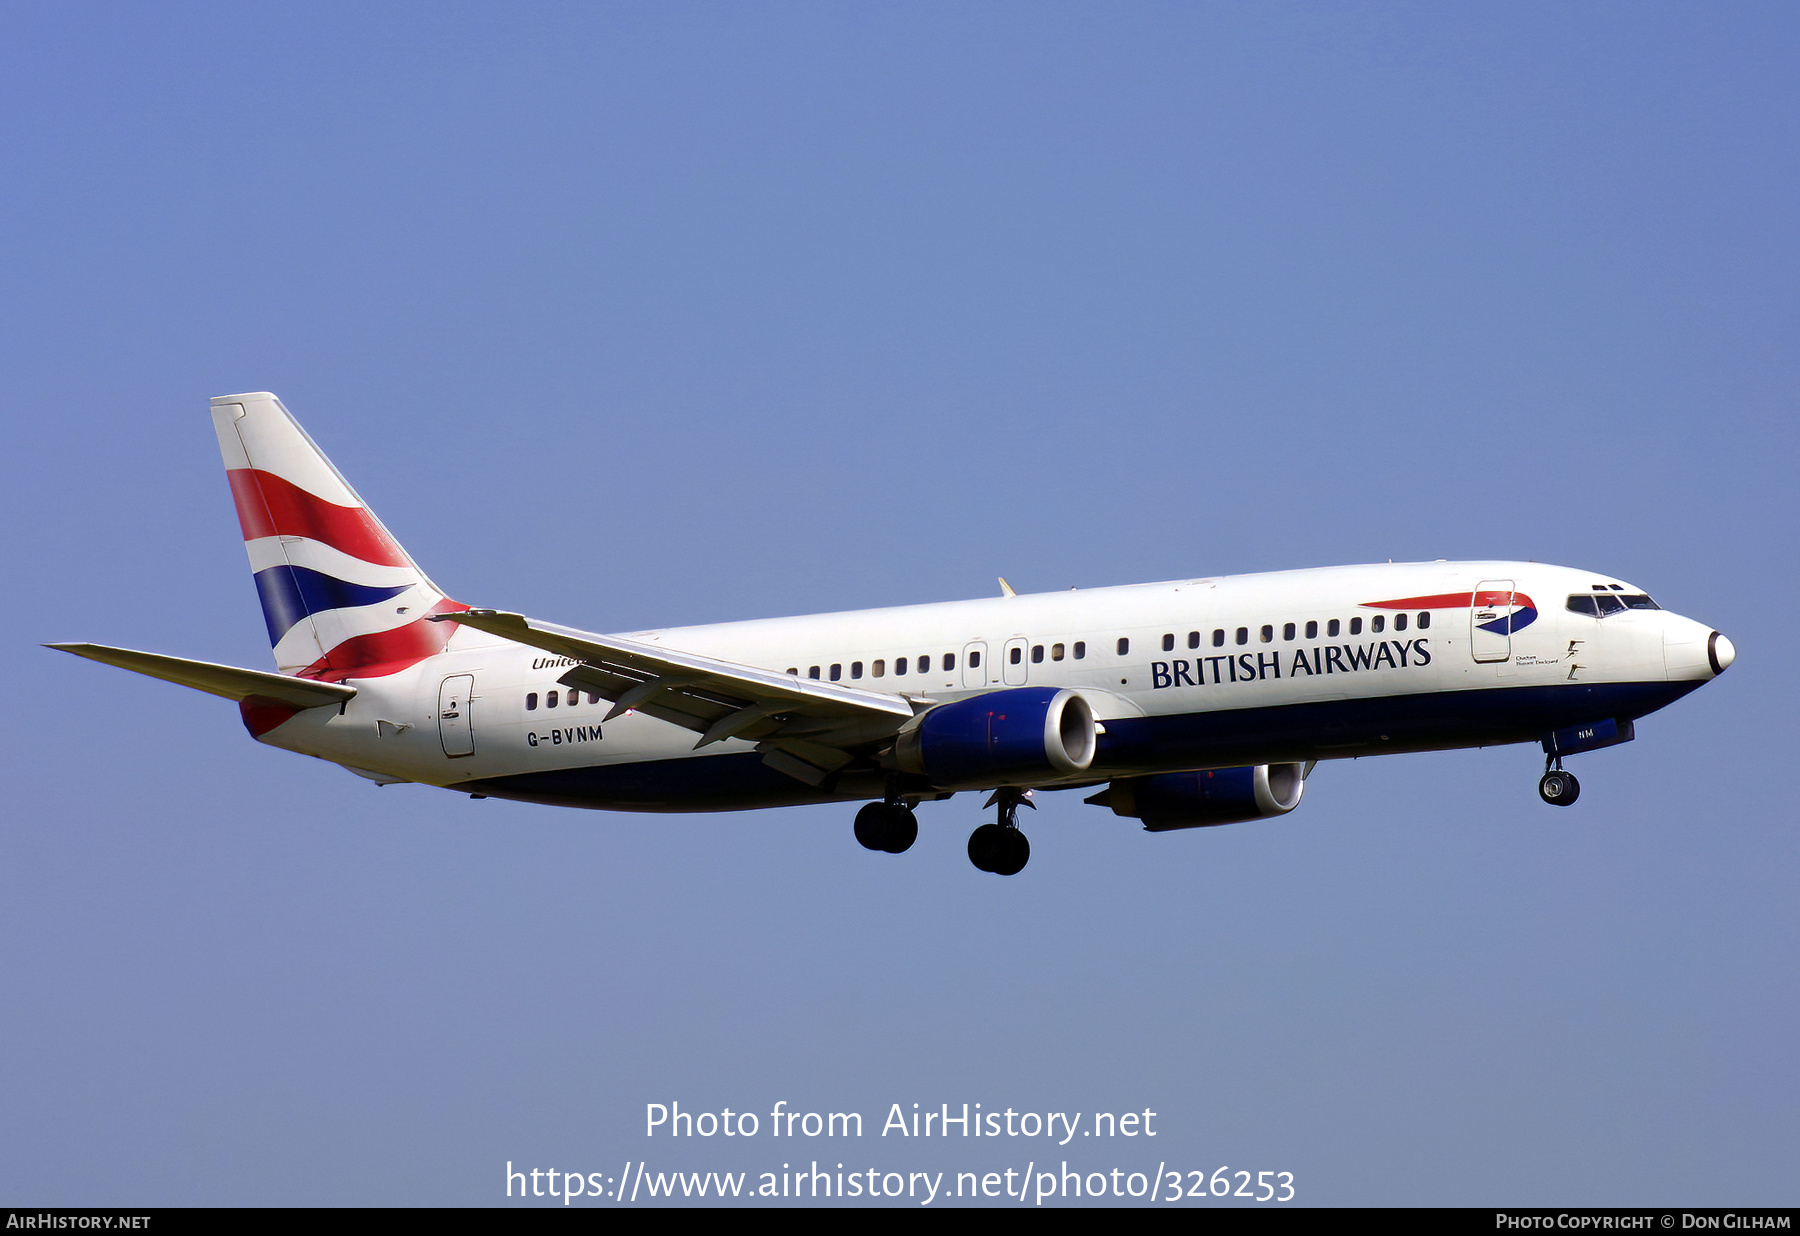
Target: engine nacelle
(1024,736)
(1197,799)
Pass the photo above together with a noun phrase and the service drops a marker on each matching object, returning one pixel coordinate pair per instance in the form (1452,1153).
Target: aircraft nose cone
(1720,652)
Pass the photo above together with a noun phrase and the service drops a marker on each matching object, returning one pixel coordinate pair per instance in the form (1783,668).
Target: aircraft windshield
(1600,604)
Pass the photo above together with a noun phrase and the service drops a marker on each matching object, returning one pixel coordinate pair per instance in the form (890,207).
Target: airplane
(1183,704)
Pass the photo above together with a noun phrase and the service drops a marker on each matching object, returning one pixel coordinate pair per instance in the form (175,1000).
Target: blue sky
(634,315)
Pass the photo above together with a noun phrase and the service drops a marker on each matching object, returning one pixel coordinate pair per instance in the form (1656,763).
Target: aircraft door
(975,666)
(1490,620)
(456,725)
(1014,668)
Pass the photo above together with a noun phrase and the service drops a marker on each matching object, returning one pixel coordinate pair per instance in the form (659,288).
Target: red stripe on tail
(387,652)
(260,715)
(267,505)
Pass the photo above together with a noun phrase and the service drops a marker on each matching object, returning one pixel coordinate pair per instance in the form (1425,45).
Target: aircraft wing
(801,725)
(224,680)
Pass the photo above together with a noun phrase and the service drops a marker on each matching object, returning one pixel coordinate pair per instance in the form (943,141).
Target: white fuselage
(1200,673)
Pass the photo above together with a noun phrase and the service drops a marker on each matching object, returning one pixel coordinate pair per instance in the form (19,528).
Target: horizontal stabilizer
(223,680)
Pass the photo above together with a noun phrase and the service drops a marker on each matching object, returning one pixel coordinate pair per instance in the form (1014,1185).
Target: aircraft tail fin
(340,596)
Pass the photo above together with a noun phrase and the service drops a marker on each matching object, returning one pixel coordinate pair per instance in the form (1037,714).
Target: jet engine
(1168,801)
(1024,736)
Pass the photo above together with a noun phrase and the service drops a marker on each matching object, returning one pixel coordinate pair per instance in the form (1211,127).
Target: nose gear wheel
(1559,788)
(1556,787)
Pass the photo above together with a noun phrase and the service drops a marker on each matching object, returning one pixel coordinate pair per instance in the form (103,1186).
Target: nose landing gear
(1556,787)
(1000,847)
(889,825)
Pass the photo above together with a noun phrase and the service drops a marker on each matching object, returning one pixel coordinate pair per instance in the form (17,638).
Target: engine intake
(1169,801)
(1019,737)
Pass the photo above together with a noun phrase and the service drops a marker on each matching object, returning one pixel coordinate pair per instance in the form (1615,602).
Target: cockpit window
(1600,604)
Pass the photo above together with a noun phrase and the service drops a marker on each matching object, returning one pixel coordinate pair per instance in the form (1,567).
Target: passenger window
(812,671)
(1356,626)
(1168,643)
(1124,647)
(549,699)
(1399,622)
(1016,655)
(1056,652)
(949,661)
(1268,633)
(1037,653)
(856,669)
(1287,631)
(900,664)
(924,665)
(1193,639)
(574,698)
(794,670)
(837,672)
(1218,637)
(1424,619)
(1377,622)
(1080,649)
(531,702)
(1331,629)
(1243,635)
(974,660)
(1312,630)
(878,669)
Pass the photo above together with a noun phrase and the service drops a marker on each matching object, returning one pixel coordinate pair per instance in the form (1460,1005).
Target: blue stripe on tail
(290,593)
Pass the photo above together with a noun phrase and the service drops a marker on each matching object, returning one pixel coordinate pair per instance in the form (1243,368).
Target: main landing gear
(888,826)
(1556,787)
(1000,847)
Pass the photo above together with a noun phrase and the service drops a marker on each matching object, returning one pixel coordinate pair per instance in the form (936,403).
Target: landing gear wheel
(1559,788)
(1003,851)
(1015,852)
(871,826)
(903,829)
(986,846)
(1000,847)
(890,827)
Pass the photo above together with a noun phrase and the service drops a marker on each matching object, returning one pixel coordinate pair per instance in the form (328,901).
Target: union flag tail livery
(339,595)
(1182,704)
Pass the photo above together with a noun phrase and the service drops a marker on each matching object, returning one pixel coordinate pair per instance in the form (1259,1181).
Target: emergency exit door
(1014,668)
(975,667)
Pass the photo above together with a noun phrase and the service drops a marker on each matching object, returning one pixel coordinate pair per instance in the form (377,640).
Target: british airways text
(1330,659)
